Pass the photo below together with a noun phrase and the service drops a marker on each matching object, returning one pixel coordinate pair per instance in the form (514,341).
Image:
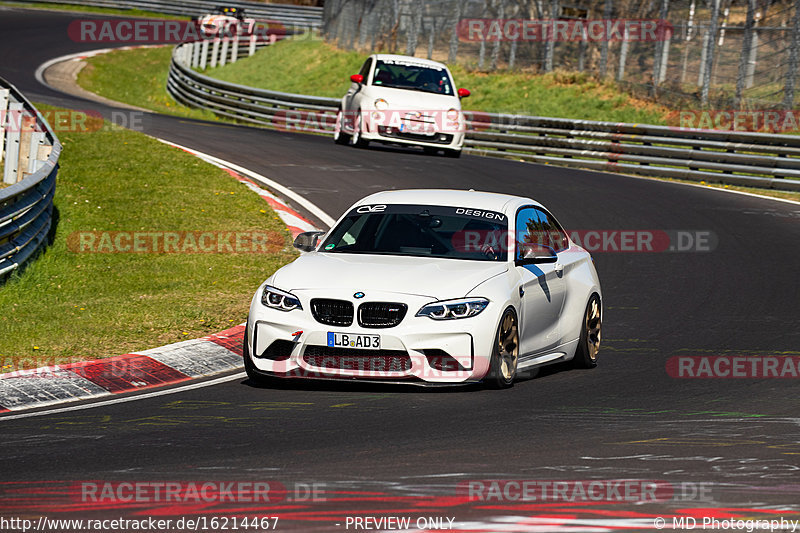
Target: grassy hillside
(314,67)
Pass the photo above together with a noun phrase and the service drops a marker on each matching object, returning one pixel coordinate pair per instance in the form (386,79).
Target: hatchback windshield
(421,231)
(412,76)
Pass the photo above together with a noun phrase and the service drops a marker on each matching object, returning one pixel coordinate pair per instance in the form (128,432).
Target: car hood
(440,279)
(406,100)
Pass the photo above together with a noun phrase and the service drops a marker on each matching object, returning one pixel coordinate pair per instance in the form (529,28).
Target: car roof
(418,60)
(450,197)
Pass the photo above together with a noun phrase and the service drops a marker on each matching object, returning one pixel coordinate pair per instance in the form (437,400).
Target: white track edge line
(142,396)
(308,204)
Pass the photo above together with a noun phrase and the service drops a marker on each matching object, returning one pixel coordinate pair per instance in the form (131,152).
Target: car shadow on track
(300,384)
(401,149)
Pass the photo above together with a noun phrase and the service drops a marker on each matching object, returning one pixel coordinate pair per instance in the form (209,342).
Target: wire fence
(741,54)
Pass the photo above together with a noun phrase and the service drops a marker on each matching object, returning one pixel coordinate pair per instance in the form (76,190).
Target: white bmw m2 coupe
(428,287)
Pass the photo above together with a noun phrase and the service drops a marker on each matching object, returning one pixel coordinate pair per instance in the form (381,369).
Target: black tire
(505,352)
(455,154)
(342,138)
(591,333)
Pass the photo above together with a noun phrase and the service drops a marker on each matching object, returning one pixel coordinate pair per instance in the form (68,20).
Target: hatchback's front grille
(381,314)
(332,312)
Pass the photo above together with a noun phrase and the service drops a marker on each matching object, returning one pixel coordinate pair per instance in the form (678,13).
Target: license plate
(348,340)
(420,128)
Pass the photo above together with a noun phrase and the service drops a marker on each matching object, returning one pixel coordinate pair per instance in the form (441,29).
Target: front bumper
(419,350)
(434,135)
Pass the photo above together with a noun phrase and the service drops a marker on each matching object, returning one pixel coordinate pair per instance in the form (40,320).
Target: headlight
(381,104)
(278,299)
(449,309)
(452,113)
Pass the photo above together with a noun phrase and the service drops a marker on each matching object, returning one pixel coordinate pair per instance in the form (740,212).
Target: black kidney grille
(332,312)
(381,314)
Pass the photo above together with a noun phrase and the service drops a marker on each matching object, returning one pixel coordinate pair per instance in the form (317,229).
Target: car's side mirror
(463,93)
(536,254)
(357,78)
(307,242)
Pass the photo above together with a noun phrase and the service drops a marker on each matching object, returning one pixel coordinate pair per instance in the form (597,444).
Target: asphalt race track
(725,447)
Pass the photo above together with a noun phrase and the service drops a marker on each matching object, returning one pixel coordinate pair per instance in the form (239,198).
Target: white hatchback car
(403,100)
(428,287)
(225,21)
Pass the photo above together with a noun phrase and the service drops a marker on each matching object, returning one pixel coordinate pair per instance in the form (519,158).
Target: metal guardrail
(29,152)
(730,157)
(304,16)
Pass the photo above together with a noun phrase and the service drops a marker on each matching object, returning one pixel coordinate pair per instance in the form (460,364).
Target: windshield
(412,76)
(421,231)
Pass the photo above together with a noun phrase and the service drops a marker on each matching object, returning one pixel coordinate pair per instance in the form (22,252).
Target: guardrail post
(214,52)
(196,54)
(223,56)
(3,113)
(37,141)
(235,49)
(252,49)
(13,123)
(27,124)
(203,54)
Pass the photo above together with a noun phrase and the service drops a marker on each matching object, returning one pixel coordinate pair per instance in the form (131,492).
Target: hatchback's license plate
(348,340)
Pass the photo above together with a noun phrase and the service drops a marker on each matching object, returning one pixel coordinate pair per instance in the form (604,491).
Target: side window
(537,226)
(553,234)
(365,68)
(528,230)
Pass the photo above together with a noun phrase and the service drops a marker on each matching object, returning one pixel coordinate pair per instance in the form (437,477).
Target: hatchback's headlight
(381,104)
(449,309)
(278,299)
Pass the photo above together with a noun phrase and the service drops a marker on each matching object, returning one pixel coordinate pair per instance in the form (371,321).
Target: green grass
(313,67)
(91,9)
(137,77)
(74,306)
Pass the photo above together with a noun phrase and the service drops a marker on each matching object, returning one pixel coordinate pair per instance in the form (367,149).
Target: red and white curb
(173,363)
(166,365)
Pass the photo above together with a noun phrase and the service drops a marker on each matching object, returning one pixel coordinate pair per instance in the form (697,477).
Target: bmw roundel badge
(358,295)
